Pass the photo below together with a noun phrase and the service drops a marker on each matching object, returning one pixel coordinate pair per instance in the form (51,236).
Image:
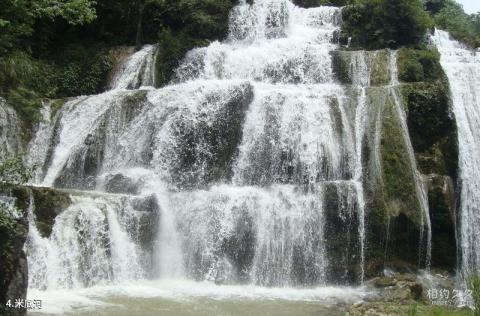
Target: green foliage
(27,104)
(19,69)
(419,65)
(75,12)
(449,16)
(84,70)
(474,286)
(375,24)
(18,18)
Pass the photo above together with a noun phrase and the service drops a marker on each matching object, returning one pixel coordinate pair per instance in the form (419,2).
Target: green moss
(432,126)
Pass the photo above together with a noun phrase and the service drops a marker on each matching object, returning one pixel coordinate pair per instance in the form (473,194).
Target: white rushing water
(250,154)
(94,241)
(462,66)
(138,70)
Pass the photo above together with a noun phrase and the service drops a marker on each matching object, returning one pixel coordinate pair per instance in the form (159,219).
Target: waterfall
(254,155)
(137,71)
(96,240)
(462,67)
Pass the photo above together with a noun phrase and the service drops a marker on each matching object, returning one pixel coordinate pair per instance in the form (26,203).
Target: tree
(461,26)
(18,17)
(375,24)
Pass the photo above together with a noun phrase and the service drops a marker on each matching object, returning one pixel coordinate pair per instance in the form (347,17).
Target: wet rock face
(441,196)
(13,263)
(119,183)
(341,234)
(10,131)
(432,126)
(48,204)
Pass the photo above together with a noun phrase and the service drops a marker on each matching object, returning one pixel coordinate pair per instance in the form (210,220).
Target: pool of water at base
(187,298)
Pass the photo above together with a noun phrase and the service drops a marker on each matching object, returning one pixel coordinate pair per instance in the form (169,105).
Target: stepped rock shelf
(274,166)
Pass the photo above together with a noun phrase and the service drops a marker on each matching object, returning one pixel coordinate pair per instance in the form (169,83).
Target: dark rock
(441,198)
(398,287)
(48,203)
(118,183)
(342,239)
(13,265)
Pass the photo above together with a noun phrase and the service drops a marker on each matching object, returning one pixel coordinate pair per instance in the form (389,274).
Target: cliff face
(411,124)
(13,266)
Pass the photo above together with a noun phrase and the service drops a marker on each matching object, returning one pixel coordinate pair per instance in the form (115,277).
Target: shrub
(19,69)
(84,70)
(375,24)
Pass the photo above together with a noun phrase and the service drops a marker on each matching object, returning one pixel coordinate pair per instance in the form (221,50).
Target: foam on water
(462,66)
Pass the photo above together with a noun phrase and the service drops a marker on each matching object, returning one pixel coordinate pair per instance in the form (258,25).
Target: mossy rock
(394,216)
(432,126)
(13,263)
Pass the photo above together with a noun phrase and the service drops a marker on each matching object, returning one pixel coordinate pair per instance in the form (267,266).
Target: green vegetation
(375,24)
(429,116)
(57,49)
(474,286)
(449,16)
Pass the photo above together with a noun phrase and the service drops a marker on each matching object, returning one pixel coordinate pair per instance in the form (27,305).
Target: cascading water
(138,71)
(94,241)
(254,155)
(261,115)
(462,67)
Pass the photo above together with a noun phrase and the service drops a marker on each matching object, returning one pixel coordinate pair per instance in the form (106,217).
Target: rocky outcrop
(13,263)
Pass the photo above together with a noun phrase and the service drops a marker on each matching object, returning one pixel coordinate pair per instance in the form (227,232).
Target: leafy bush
(19,69)
(84,71)
(375,24)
